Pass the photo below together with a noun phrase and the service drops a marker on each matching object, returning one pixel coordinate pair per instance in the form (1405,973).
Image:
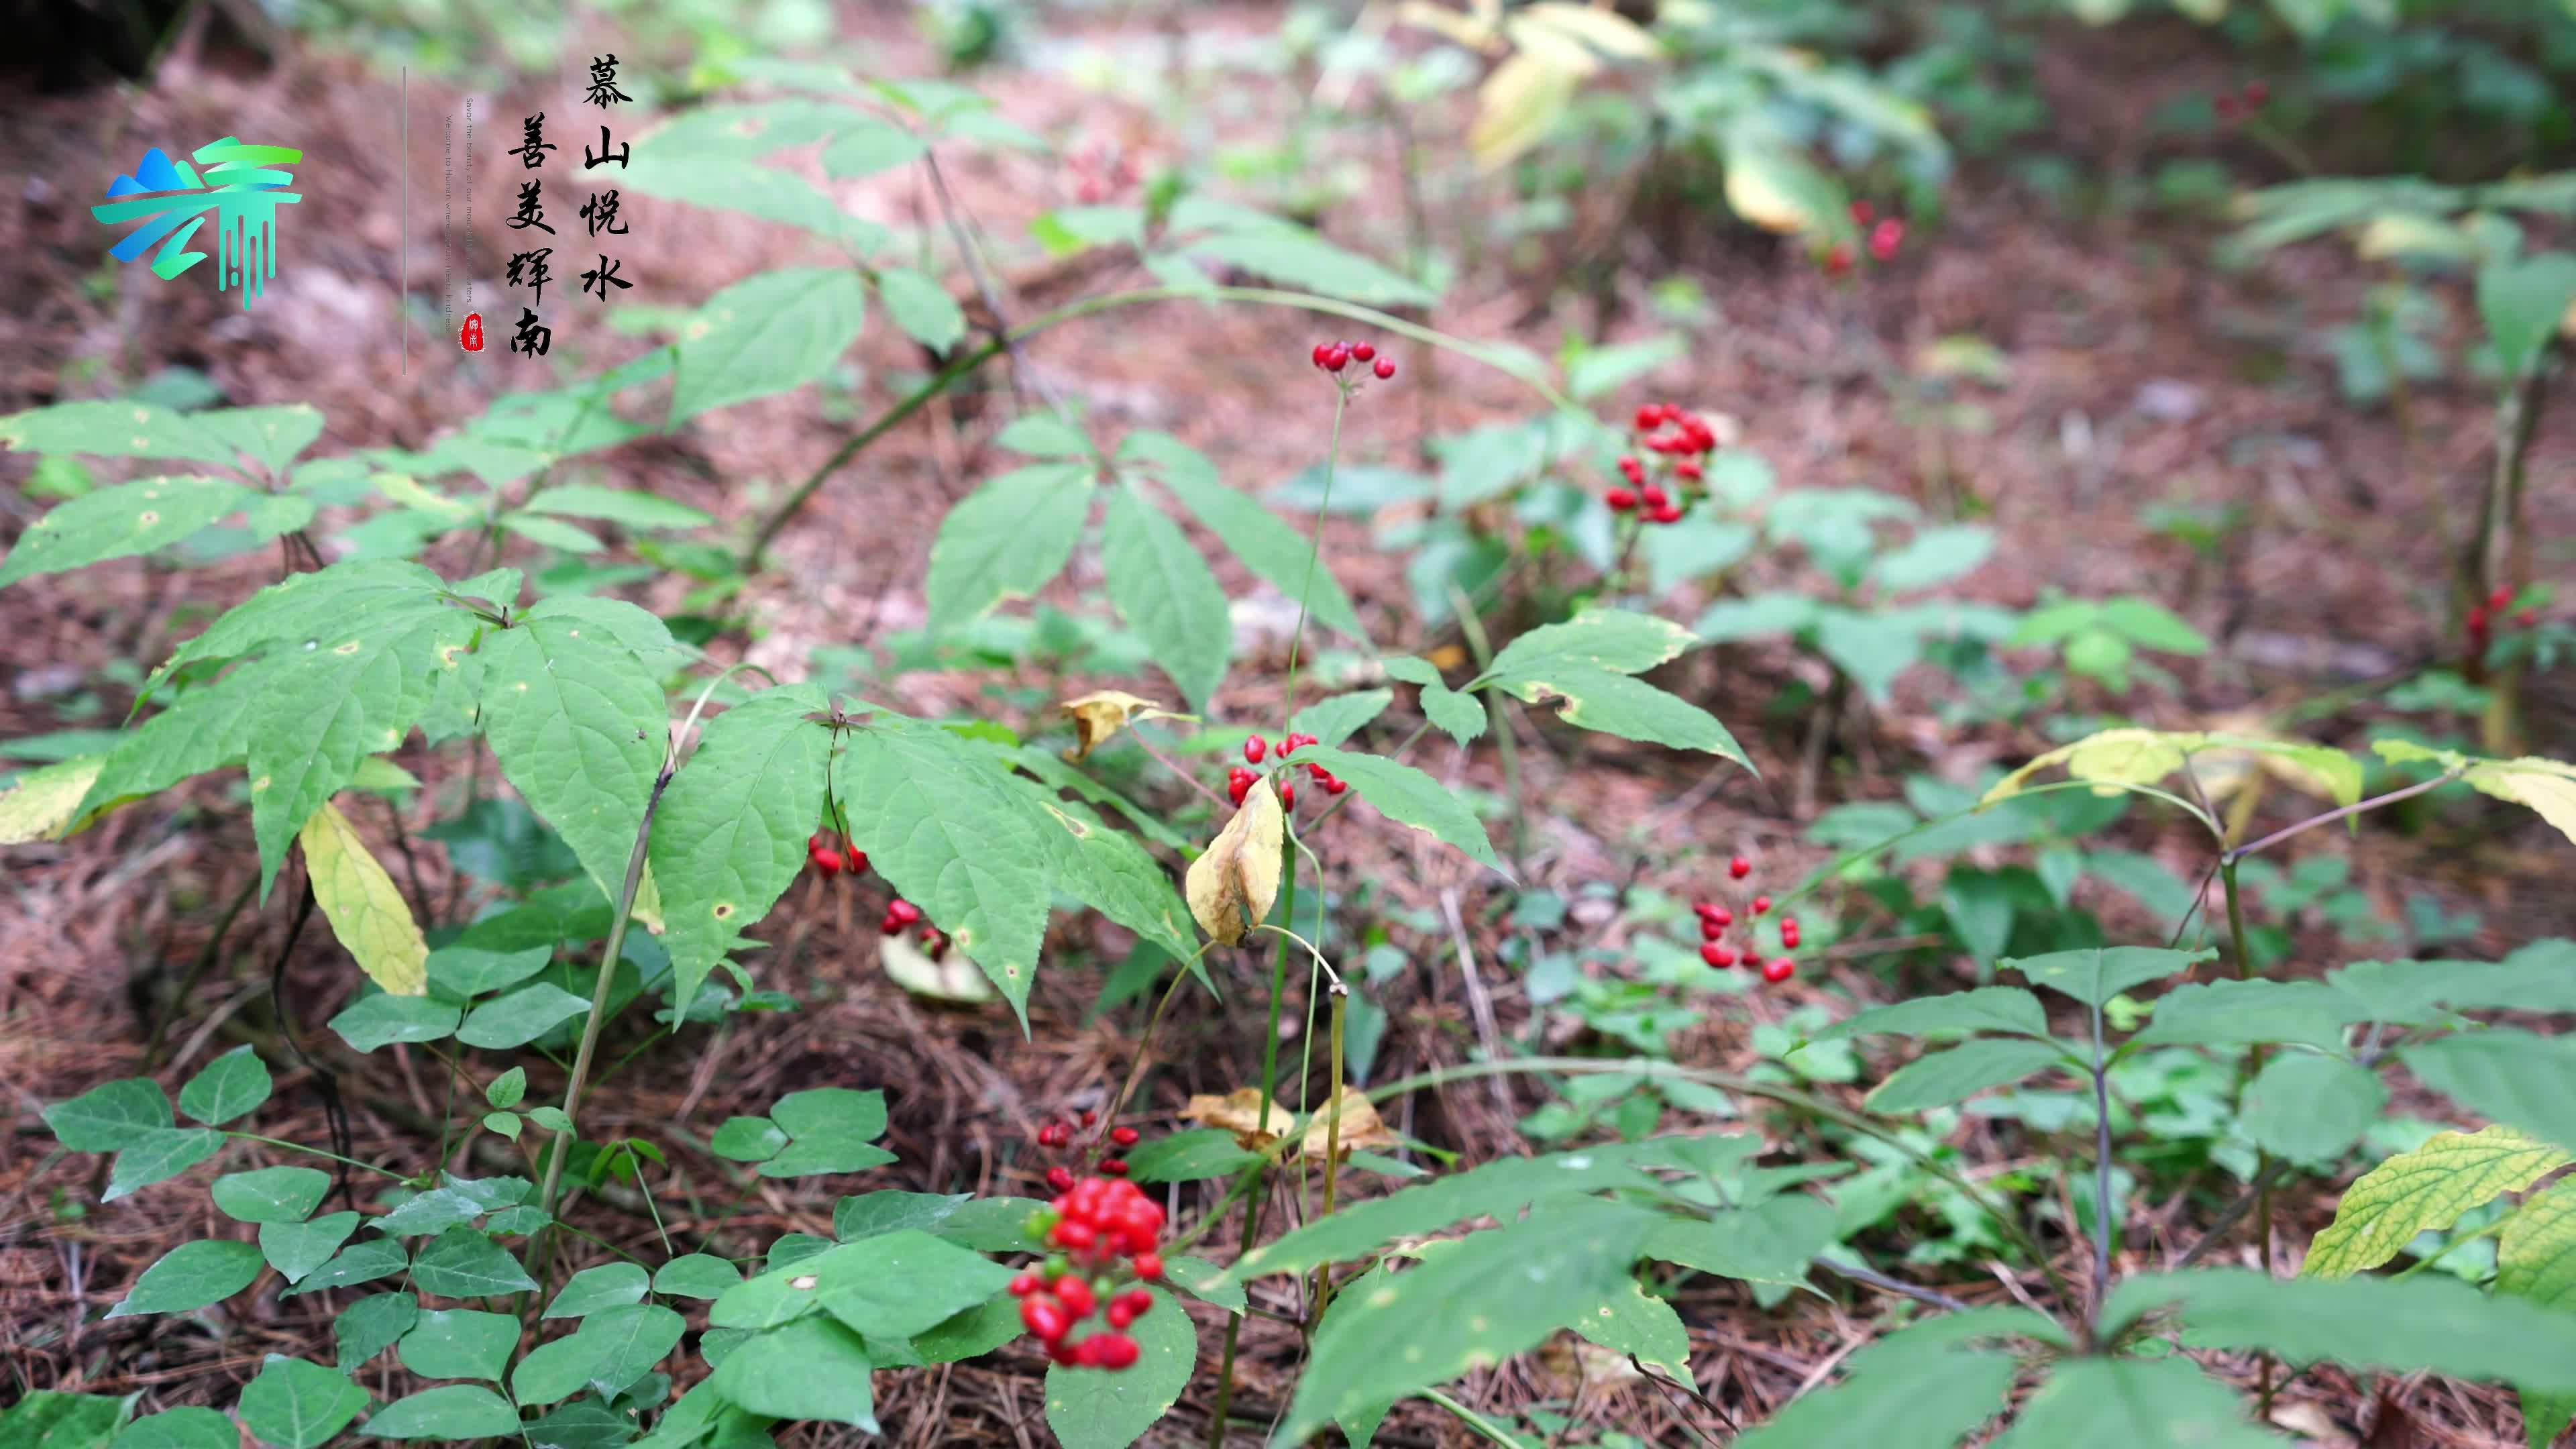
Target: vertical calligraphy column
(528,268)
(600,212)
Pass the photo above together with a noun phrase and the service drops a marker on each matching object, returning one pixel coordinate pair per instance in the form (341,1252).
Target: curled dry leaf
(1239,1112)
(1231,886)
(1102,714)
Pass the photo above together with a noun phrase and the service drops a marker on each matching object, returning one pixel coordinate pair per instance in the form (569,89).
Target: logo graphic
(241,184)
(470,336)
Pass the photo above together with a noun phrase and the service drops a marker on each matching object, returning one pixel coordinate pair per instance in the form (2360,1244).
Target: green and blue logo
(242,185)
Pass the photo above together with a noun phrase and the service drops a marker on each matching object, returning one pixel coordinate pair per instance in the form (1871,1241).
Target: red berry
(1362,352)
(1761,904)
(857,864)
(1653,497)
(1322,351)
(1385,368)
(826,861)
(1632,470)
(1715,954)
(1885,238)
(1123,1136)
(1024,1285)
(1073,1234)
(1149,1266)
(1688,468)
(1669,513)
(1237,789)
(1337,357)
(1862,213)
(1044,1317)
(1075,1294)
(1789,934)
(1287,796)
(1090,1117)
(1711,928)
(1336,785)
(2478,620)
(1116,1350)
(904,911)
(1119,1314)
(2497,600)
(1722,916)
(1060,1177)
(1115,1167)
(890,926)
(1620,499)
(2527,619)
(1137,1302)
(1318,773)
(1648,414)
(1780,969)
(1838,260)
(1739,867)
(2229,108)
(2256,93)
(1254,748)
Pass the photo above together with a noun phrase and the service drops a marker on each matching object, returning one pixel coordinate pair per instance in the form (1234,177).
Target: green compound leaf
(2405,1325)
(772,333)
(810,1368)
(270,437)
(2123,1401)
(298,1405)
(189,1277)
(1279,553)
(747,1139)
(520,1017)
(1115,876)
(2536,1260)
(371,1325)
(921,307)
(230,1086)
(452,1411)
(1336,718)
(611,1350)
(177,1429)
(887,1287)
(2508,1076)
(2311,1109)
(1167,595)
(578,724)
(1986,1008)
(730,835)
(868,1214)
(1461,716)
(1922,1387)
(296,1249)
(2423,1190)
(1407,796)
(1475,1302)
(1006,539)
(120,522)
(462,1263)
(111,1116)
(2097,973)
(384,1019)
(459,1343)
(360,1262)
(1093,1409)
(1942,1078)
(113,429)
(271,1194)
(1586,662)
(2243,1013)
(611,1285)
(695,1275)
(160,1154)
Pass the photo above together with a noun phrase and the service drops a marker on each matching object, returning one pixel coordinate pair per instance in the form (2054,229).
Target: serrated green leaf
(1615,640)
(159,1154)
(1279,553)
(298,1405)
(868,147)
(2095,974)
(921,307)
(1044,435)
(1986,1008)
(1632,709)
(1407,796)
(110,1116)
(771,333)
(519,1017)
(1204,1281)
(2244,1013)
(205,728)
(1006,539)
(2405,1325)
(578,724)
(730,834)
(1090,1409)
(459,1343)
(1164,590)
(463,1263)
(371,1325)
(2513,1077)
(271,1194)
(1629,1322)
(1295,257)
(1115,876)
(1699,545)
(453,1411)
(2536,1260)
(812,1368)
(270,437)
(44,804)
(2311,1109)
(2166,1402)
(1771,1242)
(1336,718)
(2425,1190)
(296,1249)
(120,522)
(642,512)
(1921,1387)
(189,1277)
(383,1019)
(1473,1304)
(1939,1079)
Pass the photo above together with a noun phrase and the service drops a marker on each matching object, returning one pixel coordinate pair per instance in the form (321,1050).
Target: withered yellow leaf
(365,910)
(1103,713)
(1239,1112)
(953,977)
(40,805)
(1231,886)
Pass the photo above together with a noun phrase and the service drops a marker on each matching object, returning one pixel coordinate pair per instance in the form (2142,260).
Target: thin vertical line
(402,268)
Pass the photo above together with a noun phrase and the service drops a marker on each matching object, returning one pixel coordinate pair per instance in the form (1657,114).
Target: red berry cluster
(829,858)
(1104,172)
(2482,619)
(1332,357)
(1091,1226)
(1714,920)
(1664,429)
(1238,780)
(2244,104)
(1884,236)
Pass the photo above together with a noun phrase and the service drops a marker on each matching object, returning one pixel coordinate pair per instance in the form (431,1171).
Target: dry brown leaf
(1103,713)
(1239,1112)
(1232,885)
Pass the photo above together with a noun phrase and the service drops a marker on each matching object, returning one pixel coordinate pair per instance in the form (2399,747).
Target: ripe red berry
(1337,357)
(1075,1294)
(1334,785)
(1119,1314)
(1287,795)
(1722,916)
(2229,108)
(1322,352)
(904,911)
(1715,954)
(1123,1136)
(1620,500)
(1115,1351)
(890,926)
(1138,1302)
(1885,238)
(1044,1317)
(1648,414)
(1362,352)
(1739,867)
(1780,969)
(1761,904)
(1688,468)
(1669,513)
(1024,1285)
(1838,260)
(1653,497)
(1060,1177)
(1385,369)
(2497,600)
(1789,934)
(1149,1266)
(1631,469)
(1254,748)
(1711,928)
(1090,1117)
(857,864)
(2527,619)
(1862,213)
(1237,789)
(2478,620)
(1074,1235)
(1115,1166)
(826,861)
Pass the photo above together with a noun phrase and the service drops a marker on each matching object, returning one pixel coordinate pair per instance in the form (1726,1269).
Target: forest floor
(2137,374)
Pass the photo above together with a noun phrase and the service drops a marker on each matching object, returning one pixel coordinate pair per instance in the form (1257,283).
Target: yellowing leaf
(1606,31)
(1475,32)
(648,903)
(1231,886)
(1239,1112)
(2547,786)
(41,803)
(1551,47)
(2116,757)
(953,977)
(366,912)
(1516,107)
(2428,1188)
(1101,714)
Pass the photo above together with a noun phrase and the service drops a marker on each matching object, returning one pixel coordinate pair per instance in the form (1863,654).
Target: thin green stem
(1471,1418)
(1504,740)
(2101,1173)
(2355,808)
(318,1152)
(1315,545)
(1260,1179)
(2253,1068)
